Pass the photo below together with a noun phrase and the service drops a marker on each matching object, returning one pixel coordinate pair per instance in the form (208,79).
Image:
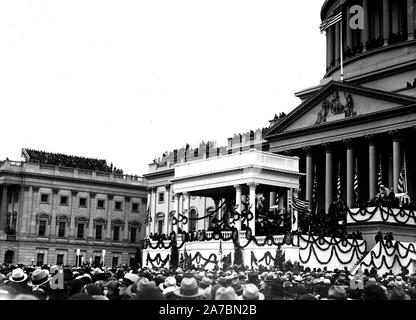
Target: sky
(126,80)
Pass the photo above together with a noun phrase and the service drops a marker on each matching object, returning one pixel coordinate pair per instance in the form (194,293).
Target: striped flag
(330,21)
(380,174)
(356,191)
(402,187)
(301,206)
(314,188)
(147,219)
(339,183)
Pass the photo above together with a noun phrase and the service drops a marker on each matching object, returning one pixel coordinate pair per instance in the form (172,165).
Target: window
(132,261)
(44,198)
(60,259)
(39,259)
(133,232)
(161,196)
(116,233)
(42,228)
(80,231)
(83,202)
(64,201)
(160,227)
(98,232)
(61,229)
(135,207)
(115,261)
(97,260)
(100,204)
(118,205)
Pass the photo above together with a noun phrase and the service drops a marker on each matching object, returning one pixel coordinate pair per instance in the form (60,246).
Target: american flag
(380,174)
(331,21)
(148,218)
(402,187)
(301,206)
(314,187)
(339,183)
(356,191)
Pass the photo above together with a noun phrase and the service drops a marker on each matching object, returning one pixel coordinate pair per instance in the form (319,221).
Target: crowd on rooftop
(196,283)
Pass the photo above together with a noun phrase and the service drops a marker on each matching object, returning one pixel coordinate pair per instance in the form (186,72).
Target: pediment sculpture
(333,105)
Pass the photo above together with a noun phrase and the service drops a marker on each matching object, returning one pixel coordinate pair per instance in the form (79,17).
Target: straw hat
(39,277)
(189,289)
(18,275)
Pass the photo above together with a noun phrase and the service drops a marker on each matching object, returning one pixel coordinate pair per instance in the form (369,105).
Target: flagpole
(341,53)
(405,171)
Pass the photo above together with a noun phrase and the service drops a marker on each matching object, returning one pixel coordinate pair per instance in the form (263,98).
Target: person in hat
(251,292)
(149,292)
(238,288)
(168,287)
(18,281)
(226,294)
(128,280)
(40,284)
(276,290)
(112,288)
(337,293)
(189,290)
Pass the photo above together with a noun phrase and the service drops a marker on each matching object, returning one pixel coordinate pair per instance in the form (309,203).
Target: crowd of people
(235,283)
(63,160)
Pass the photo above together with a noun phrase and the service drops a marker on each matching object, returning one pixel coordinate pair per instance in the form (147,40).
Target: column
(350,173)
(410,20)
(372,166)
(331,45)
(309,174)
(26,198)
(337,43)
(366,31)
(386,21)
(272,199)
(127,206)
(177,197)
(54,205)
(34,211)
(294,216)
(73,213)
(238,204)
(3,207)
(348,29)
(329,190)
(148,212)
(167,201)
(21,200)
(186,211)
(252,223)
(396,159)
(91,215)
(110,207)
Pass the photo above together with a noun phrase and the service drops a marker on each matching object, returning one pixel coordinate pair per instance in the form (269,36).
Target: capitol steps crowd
(236,283)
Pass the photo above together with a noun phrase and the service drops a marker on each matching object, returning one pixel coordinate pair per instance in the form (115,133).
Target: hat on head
(225,294)
(18,275)
(337,293)
(169,282)
(93,290)
(130,278)
(189,289)
(251,292)
(39,277)
(236,285)
(222,281)
(205,283)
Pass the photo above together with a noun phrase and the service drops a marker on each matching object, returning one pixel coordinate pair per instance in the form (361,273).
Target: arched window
(193,224)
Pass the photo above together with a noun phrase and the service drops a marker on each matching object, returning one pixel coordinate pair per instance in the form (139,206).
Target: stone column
(329,189)
(337,42)
(366,31)
(309,174)
(252,223)
(410,20)
(73,213)
(372,166)
(35,210)
(91,215)
(167,197)
(348,29)
(350,172)
(54,208)
(396,159)
(3,207)
(386,21)
(272,199)
(110,207)
(127,205)
(331,44)
(21,200)
(186,209)
(26,198)
(238,191)
(148,209)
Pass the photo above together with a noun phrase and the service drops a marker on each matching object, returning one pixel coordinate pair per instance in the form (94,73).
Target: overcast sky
(127,80)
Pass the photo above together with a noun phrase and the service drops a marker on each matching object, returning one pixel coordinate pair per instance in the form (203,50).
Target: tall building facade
(53,213)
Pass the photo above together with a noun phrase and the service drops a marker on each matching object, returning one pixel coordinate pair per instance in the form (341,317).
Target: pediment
(337,102)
